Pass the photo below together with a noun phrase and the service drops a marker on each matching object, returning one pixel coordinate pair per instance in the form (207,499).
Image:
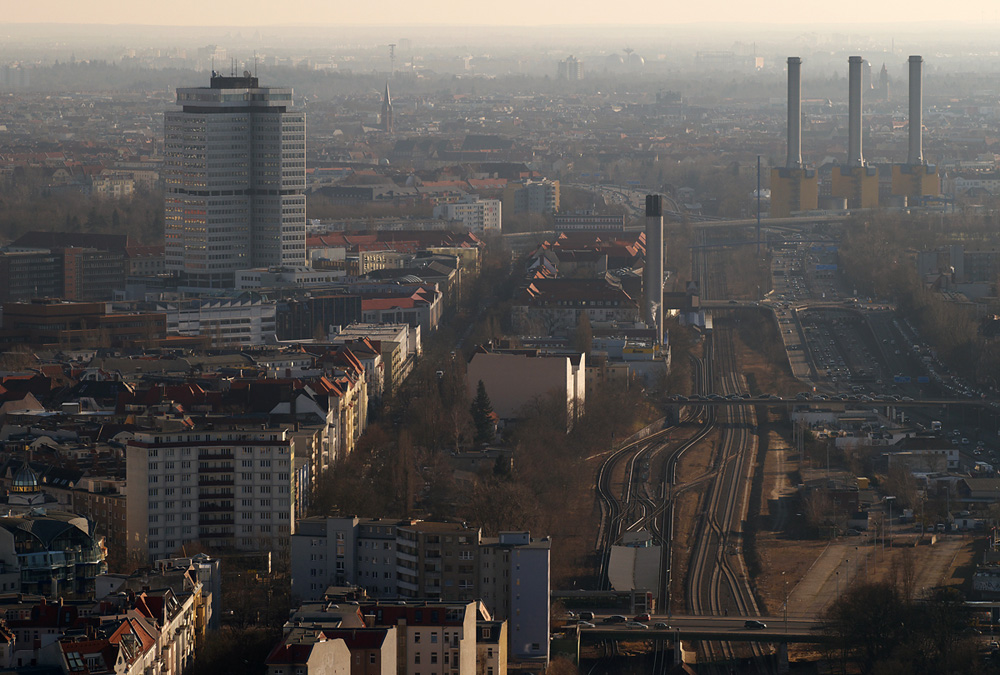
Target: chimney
(916,155)
(854,156)
(794,160)
(654,264)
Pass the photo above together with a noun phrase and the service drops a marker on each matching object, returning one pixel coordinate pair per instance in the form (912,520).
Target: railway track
(717,581)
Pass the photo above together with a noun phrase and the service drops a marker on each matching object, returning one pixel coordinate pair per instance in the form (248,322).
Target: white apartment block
(234,172)
(229,488)
(433,638)
(286,277)
(479,215)
(246,320)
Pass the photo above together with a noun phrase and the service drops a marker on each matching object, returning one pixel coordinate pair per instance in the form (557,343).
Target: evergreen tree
(482,411)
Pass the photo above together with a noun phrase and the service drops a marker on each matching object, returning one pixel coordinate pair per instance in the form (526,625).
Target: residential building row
(447,562)
(143,624)
(382,638)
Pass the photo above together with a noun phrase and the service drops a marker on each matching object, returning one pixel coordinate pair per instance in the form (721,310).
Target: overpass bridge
(718,400)
(726,629)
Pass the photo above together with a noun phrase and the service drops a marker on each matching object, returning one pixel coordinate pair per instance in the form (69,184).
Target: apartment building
(432,638)
(102,500)
(373,650)
(231,488)
(249,319)
(446,562)
(309,655)
(480,216)
(531,196)
(436,560)
(491,647)
(515,584)
(398,344)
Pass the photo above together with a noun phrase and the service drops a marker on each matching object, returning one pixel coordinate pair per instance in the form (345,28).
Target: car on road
(636,625)
(586,616)
(641,617)
(616,618)
(661,625)
(754,624)
(585,624)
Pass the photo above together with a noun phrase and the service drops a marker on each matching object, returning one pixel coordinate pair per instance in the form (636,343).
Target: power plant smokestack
(794,160)
(916,155)
(654,264)
(854,156)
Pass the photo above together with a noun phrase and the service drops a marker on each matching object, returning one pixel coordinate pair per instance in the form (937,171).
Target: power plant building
(856,182)
(793,187)
(916,178)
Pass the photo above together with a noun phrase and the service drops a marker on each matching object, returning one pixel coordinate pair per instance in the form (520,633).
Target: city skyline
(783,12)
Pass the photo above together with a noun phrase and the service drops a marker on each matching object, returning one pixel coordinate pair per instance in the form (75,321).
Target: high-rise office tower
(235,167)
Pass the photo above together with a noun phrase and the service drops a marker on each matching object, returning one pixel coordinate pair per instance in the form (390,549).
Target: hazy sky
(509,12)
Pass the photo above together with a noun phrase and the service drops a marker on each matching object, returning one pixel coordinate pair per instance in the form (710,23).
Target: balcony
(228,520)
(212,508)
(213,494)
(215,469)
(206,456)
(211,482)
(406,556)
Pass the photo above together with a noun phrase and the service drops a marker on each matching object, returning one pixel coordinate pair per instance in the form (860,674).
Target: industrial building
(916,178)
(794,187)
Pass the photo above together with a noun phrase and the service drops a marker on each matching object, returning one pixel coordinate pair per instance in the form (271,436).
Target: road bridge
(726,629)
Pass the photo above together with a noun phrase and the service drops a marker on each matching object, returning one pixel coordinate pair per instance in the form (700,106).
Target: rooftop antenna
(392,59)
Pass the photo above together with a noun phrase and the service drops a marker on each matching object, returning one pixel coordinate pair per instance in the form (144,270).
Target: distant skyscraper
(571,69)
(235,166)
(387,111)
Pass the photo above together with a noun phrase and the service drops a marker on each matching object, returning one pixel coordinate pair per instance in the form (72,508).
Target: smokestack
(854,157)
(794,160)
(916,155)
(654,264)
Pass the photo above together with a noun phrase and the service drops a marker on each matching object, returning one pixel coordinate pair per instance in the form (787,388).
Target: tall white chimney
(653,281)
(916,154)
(854,156)
(794,160)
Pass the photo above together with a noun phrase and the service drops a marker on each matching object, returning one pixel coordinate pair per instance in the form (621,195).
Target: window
(416,658)
(434,657)
(434,638)
(416,637)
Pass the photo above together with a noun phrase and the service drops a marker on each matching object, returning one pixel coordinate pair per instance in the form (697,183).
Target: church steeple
(387,110)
